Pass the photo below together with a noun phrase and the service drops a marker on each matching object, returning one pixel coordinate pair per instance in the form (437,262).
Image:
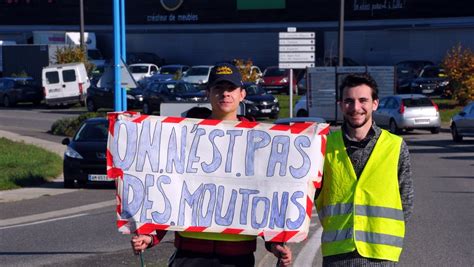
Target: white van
(65,84)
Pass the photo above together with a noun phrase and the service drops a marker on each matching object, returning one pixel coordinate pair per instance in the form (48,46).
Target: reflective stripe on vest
(371,211)
(338,235)
(362,214)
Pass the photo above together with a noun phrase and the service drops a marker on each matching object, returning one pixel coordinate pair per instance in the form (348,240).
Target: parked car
(15,90)
(287,121)
(168,73)
(259,103)
(141,71)
(144,57)
(198,74)
(432,81)
(407,112)
(407,71)
(170,91)
(104,97)
(276,80)
(301,108)
(85,155)
(462,124)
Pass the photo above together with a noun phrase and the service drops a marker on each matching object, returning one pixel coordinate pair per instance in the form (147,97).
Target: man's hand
(283,253)
(140,243)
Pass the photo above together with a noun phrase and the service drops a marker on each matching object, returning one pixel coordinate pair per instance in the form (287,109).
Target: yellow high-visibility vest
(366,213)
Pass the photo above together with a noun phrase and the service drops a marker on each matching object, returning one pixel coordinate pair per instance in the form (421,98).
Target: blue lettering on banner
(192,200)
(130,207)
(193,158)
(263,222)
(277,217)
(163,217)
(245,203)
(131,130)
(206,219)
(279,154)
(150,148)
(216,155)
(173,157)
(302,141)
(302,213)
(225,220)
(230,151)
(255,140)
(147,204)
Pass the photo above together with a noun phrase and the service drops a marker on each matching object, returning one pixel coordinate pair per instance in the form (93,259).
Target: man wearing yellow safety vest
(367,191)
(213,249)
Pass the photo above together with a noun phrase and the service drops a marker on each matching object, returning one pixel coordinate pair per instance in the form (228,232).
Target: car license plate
(98,177)
(422,121)
(267,110)
(427,91)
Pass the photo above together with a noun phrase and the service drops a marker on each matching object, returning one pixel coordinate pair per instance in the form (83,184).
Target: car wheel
(302,113)
(435,130)
(37,102)
(81,184)
(91,107)
(274,117)
(147,109)
(68,183)
(455,134)
(393,128)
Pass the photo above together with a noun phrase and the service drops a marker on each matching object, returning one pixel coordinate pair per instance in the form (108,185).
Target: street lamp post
(340,43)
(81,10)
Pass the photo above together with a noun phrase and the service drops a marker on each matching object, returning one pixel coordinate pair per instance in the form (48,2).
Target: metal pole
(291,93)
(117,83)
(123,48)
(81,26)
(340,43)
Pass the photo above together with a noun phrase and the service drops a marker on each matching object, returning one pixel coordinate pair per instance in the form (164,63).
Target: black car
(104,97)
(432,81)
(259,103)
(407,71)
(85,155)
(14,90)
(170,91)
(144,57)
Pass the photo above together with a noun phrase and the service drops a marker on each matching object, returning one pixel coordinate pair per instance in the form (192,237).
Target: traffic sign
(306,48)
(296,42)
(307,35)
(301,65)
(296,57)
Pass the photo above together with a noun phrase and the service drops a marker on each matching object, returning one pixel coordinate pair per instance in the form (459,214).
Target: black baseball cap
(225,72)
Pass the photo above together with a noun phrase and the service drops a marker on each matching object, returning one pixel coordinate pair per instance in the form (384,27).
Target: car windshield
(434,73)
(274,72)
(138,69)
(92,131)
(417,102)
(198,71)
(21,82)
(169,70)
(254,90)
(180,88)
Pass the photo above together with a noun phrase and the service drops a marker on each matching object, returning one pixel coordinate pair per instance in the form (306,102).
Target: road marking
(56,213)
(44,221)
(308,252)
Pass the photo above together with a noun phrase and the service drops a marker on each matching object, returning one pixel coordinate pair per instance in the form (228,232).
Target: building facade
(377,32)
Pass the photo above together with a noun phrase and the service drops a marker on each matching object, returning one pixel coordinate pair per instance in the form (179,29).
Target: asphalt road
(77,228)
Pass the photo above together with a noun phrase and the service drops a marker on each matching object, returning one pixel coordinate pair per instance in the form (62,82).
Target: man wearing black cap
(214,249)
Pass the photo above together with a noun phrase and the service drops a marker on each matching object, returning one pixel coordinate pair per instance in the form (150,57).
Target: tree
(71,54)
(245,69)
(459,66)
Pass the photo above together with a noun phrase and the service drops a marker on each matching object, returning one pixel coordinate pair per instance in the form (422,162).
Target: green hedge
(68,126)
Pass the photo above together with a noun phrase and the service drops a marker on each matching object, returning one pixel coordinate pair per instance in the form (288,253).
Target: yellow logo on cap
(224,70)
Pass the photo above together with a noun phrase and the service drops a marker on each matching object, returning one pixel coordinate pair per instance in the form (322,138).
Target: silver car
(407,112)
(462,124)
